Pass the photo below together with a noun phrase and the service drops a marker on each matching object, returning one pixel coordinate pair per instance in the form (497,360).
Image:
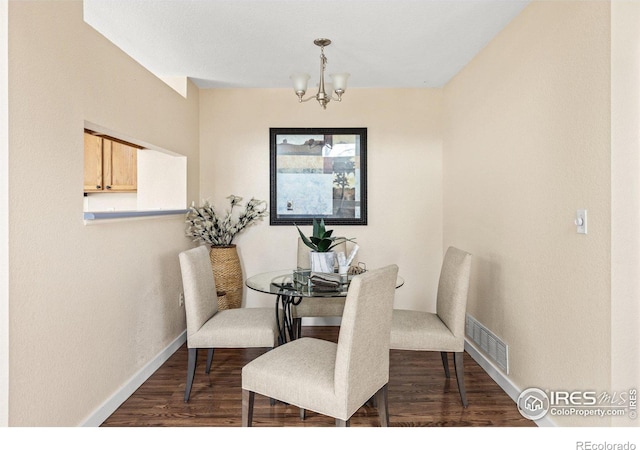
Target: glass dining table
(291,287)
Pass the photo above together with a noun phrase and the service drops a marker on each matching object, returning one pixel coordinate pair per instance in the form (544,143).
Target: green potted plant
(204,224)
(321,242)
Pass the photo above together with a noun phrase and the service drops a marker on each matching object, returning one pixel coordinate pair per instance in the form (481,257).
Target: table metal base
(286,331)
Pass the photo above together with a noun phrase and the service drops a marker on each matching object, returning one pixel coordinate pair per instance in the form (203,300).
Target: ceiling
(260,43)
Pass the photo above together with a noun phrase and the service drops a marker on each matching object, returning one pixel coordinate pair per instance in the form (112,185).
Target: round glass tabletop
(300,283)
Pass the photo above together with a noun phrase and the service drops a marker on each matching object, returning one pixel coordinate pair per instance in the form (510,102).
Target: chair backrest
(304,262)
(453,287)
(198,283)
(362,359)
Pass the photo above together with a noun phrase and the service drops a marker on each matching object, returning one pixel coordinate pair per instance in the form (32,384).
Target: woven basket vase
(228,275)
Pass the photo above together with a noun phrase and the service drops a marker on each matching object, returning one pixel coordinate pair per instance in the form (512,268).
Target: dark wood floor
(419,395)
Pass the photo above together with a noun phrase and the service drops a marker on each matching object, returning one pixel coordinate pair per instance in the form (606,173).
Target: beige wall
(4,218)
(625,200)
(527,143)
(404,165)
(90,305)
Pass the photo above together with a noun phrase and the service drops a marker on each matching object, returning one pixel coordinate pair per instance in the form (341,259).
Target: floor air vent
(488,342)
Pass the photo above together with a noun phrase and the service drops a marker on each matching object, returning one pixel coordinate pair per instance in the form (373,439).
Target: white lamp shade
(339,81)
(300,81)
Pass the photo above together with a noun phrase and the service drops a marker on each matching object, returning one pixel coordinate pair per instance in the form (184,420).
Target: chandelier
(338,81)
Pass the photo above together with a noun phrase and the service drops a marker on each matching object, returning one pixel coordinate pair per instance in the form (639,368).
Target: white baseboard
(501,378)
(96,418)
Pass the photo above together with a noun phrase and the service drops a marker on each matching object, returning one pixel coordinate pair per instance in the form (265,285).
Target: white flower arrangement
(205,225)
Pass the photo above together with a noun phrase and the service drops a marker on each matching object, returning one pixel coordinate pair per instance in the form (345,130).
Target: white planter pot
(322,261)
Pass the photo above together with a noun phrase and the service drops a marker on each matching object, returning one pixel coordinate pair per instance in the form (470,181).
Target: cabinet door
(92,163)
(120,166)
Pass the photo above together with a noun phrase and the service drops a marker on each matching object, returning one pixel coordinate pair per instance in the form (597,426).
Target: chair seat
(422,331)
(319,307)
(300,373)
(237,328)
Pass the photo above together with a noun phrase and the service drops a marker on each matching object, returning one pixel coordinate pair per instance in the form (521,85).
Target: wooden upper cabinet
(109,165)
(92,163)
(120,166)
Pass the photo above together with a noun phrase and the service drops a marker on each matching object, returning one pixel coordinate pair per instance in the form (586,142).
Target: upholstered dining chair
(329,378)
(209,328)
(310,306)
(442,331)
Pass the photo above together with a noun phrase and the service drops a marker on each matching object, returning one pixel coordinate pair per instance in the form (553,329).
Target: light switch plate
(581,221)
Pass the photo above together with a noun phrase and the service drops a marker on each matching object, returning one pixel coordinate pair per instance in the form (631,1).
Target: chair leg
(247,407)
(459,366)
(298,327)
(209,360)
(381,398)
(302,413)
(445,363)
(191,371)
(342,423)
